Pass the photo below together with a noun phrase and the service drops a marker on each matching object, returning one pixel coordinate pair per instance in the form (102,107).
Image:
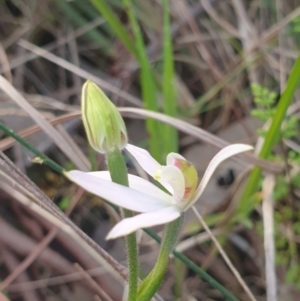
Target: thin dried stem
(88,278)
(80,72)
(224,255)
(268,222)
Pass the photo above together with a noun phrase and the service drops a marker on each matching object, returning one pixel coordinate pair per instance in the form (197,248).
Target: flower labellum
(102,121)
(179,178)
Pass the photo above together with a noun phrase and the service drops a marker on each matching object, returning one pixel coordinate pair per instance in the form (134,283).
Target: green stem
(272,134)
(118,172)
(196,269)
(44,159)
(152,282)
(147,82)
(170,102)
(114,21)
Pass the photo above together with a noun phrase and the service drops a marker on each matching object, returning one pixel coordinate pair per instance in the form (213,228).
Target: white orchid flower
(178,177)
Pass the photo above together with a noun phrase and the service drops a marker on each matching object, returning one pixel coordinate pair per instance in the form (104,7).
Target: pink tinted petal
(138,183)
(147,162)
(117,194)
(173,176)
(144,220)
(222,155)
(172,157)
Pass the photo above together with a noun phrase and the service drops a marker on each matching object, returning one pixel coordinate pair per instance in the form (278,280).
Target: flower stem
(190,264)
(118,172)
(152,282)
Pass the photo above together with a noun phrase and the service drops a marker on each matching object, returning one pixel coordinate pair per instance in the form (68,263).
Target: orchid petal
(189,173)
(173,176)
(171,157)
(141,185)
(117,194)
(147,162)
(144,220)
(222,155)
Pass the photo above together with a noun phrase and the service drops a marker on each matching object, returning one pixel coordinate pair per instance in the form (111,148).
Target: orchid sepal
(119,195)
(144,220)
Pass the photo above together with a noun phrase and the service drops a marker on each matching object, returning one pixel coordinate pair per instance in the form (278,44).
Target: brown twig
(92,282)
(36,251)
(12,263)
(29,259)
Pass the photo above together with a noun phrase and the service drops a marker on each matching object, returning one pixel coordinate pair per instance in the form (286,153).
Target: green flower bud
(102,121)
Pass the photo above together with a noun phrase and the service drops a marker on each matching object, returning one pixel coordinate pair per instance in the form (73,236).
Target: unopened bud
(103,123)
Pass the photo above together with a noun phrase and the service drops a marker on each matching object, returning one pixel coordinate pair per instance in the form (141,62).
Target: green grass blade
(116,25)
(147,84)
(169,93)
(86,8)
(270,139)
